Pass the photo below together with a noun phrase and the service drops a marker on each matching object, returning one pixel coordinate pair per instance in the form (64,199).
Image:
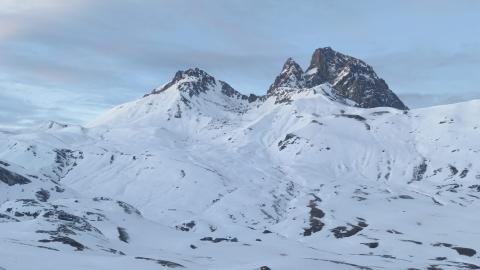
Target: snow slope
(197,176)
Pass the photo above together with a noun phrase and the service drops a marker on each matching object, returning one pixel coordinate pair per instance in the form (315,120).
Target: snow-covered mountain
(328,170)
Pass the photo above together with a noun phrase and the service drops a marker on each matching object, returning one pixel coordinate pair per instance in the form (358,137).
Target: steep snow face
(208,180)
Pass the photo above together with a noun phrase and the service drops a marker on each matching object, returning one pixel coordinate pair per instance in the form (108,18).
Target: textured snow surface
(211,181)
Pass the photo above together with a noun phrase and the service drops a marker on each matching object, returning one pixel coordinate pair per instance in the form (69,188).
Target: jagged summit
(192,81)
(291,76)
(351,78)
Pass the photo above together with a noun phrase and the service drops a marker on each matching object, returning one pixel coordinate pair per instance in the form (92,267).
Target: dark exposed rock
(349,230)
(42,195)
(316,214)
(112,159)
(465,251)
(351,78)
(218,240)
(371,245)
(92,216)
(419,171)
(11,178)
(162,262)
(475,187)
(186,226)
(290,138)
(460,250)
(65,240)
(114,251)
(394,232)
(405,197)
(123,235)
(65,161)
(356,117)
(453,265)
(442,245)
(99,199)
(4,163)
(201,84)
(453,170)
(352,116)
(69,223)
(28,202)
(464,173)
(413,241)
(291,76)
(56,125)
(27,214)
(128,208)
(7,218)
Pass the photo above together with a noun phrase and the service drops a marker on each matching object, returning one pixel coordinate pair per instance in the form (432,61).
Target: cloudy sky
(71,60)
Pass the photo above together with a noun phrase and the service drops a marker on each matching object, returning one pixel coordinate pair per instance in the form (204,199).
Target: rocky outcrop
(290,77)
(351,78)
(11,178)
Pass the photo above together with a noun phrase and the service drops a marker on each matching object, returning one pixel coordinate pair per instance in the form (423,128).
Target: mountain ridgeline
(350,78)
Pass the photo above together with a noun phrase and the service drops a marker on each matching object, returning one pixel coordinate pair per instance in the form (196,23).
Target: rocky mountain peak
(291,76)
(351,78)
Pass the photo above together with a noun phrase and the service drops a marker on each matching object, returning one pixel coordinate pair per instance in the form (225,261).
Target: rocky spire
(291,77)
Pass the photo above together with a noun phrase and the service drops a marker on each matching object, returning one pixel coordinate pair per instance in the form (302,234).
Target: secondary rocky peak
(195,81)
(192,81)
(291,76)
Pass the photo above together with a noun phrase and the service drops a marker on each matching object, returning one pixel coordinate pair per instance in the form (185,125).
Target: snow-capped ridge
(192,81)
(195,81)
(350,79)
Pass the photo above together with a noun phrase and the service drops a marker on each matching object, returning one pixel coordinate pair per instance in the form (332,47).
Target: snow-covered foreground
(210,180)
